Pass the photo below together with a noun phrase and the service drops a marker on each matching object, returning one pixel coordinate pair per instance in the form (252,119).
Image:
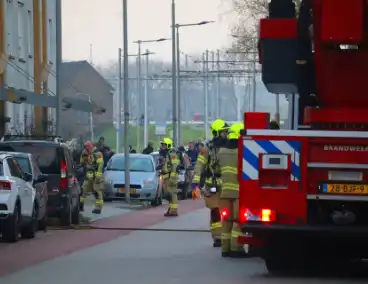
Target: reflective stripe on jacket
(228,160)
(170,165)
(200,165)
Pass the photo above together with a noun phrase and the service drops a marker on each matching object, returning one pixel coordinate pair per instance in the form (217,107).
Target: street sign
(160,128)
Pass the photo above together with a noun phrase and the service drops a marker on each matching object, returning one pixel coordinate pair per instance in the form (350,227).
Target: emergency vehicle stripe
(295,145)
(286,148)
(251,164)
(252,149)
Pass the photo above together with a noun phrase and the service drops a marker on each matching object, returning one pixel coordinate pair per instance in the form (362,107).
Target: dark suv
(55,160)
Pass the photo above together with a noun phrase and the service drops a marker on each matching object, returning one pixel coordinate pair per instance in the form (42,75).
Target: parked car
(55,160)
(38,180)
(144,181)
(155,156)
(19,208)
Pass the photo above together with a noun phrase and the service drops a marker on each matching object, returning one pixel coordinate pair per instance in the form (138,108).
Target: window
(30,33)
(24,164)
(50,44)
(1,169)
(22,41)
(15,170)
(46,157)
(137,164)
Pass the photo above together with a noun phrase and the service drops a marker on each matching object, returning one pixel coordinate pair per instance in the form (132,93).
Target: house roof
(71,69)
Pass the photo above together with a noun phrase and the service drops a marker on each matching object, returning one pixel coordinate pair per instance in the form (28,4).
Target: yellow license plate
(346,188)
(132,190)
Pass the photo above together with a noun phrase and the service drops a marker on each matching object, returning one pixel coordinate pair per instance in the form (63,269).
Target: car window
(24,164)
(69,161)
(46,157)
(14,167)
(1,169)
(137,164)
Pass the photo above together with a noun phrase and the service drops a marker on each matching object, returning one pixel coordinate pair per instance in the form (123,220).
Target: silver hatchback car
(144,182)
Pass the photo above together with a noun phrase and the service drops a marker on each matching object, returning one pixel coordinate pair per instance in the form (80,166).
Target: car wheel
(29,231)
(66,215)
(76,214)
(12,226)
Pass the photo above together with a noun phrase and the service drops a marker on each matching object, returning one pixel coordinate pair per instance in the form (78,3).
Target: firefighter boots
(96,211)
(217,243)
(171,214)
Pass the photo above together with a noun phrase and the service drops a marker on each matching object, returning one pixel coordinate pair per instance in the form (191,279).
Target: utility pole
(59,60)
(218,103)
(146,101)
(139,95)
(205,72)
(178,83)
(213,83)
(118,119)
(186,109)
(277,116)
(126,102)
(173,70)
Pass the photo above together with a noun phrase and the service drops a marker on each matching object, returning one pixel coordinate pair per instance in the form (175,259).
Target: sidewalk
(111,209)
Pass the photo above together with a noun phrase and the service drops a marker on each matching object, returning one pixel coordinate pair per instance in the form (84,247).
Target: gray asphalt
(157,258)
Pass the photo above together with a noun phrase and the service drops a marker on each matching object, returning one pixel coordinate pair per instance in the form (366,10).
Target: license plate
(345,188)
(132,190)
(181,178)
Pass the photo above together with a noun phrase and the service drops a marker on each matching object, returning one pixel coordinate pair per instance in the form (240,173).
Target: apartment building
(27,57)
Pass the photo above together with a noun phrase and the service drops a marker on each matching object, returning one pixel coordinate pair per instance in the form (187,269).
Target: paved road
(148,256)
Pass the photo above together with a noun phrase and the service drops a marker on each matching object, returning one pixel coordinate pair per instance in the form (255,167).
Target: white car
(18,209)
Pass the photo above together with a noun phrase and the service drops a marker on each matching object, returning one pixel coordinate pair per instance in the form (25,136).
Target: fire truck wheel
(277,266)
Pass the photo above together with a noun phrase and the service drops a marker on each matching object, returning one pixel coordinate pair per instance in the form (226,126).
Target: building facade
(28,56)
(79,79)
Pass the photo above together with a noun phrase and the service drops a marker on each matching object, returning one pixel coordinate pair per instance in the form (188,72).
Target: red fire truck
(304,191)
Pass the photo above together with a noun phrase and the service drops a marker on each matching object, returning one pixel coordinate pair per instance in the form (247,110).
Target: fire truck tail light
(262,215)
(267,215)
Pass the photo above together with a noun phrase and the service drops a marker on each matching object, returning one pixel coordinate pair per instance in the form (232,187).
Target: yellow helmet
(168,142)
(235,129)
(217,126)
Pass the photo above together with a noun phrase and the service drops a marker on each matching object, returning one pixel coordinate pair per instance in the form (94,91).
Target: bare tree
(245,28)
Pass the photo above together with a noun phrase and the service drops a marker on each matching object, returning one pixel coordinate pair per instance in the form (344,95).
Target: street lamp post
(178,102)
(126,101)
(173,71)
(139,86)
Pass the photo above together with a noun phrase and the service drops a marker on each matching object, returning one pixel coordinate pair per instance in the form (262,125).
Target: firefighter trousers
(93,186)
(212,202)
(230,230)
(171,187)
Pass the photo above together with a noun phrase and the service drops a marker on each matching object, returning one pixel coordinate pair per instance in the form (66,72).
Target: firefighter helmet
(168,142)
(217,126)
(234,130)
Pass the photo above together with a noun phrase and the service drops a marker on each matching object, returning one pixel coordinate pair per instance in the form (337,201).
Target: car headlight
(148,183)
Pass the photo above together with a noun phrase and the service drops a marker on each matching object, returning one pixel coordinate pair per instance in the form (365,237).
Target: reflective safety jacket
(93,164)
(207,164)
(170,165)
(228,160)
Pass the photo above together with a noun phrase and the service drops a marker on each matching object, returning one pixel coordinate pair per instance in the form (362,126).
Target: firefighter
(170,164)
(93,162)
(206,176)
(229,198)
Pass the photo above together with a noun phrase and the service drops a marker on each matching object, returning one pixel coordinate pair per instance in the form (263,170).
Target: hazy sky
(99,23)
